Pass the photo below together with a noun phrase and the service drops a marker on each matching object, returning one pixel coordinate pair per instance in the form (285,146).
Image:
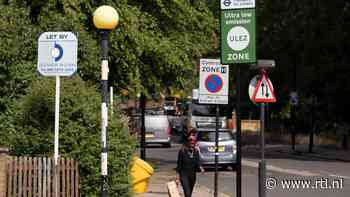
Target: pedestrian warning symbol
(264,91)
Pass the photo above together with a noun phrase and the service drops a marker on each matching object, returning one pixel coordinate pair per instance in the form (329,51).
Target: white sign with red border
(263,92)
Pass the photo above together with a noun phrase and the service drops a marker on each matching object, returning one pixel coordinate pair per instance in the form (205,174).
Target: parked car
(200,115)
(206,145)
(157,130)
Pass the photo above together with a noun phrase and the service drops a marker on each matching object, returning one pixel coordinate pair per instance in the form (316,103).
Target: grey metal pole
(311,137)
(262,120)
(238,133)
(104,112)
(216,152)
(293,129)
(143,127)
(262,163)
(56,141)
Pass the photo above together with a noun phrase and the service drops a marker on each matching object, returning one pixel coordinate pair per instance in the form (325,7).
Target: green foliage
(28,130)
(17,53)
(155,47)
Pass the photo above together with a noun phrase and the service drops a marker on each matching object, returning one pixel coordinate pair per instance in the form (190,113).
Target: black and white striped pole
(105,19)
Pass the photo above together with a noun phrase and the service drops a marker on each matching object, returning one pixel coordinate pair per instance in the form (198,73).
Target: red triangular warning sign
(264,91)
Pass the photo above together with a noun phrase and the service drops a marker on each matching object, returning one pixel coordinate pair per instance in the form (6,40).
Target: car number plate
(149,135)
(212,149)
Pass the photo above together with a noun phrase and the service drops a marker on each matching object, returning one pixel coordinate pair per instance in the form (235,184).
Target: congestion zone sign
(213,82)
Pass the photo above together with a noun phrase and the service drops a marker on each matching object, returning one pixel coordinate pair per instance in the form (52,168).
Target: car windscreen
(206,110)
(209,136)
(156,122)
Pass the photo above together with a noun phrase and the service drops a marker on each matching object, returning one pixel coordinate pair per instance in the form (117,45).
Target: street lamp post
(105,18)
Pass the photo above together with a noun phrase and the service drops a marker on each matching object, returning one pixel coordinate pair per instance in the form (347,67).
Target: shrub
(28,129)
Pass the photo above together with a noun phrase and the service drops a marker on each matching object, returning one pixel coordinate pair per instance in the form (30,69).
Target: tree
(156,44)
(308,41)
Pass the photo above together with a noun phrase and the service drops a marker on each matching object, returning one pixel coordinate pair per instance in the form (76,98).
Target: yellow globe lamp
(105,17)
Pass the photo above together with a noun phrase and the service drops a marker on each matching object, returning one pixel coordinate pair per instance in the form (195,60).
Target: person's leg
(186,186)
(192,182)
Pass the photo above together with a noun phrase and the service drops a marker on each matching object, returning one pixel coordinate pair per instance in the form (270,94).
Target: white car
(157,130)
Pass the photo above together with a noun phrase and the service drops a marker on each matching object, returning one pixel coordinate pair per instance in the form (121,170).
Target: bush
(28,129)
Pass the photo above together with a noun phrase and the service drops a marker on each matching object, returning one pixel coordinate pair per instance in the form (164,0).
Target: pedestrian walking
(187,165)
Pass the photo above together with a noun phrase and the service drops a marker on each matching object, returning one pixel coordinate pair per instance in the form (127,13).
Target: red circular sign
(214,83)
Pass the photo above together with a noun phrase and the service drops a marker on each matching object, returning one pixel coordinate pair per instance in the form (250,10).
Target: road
(317,176)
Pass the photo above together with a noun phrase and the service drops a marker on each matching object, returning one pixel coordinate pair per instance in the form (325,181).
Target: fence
(35,177)
(250,125)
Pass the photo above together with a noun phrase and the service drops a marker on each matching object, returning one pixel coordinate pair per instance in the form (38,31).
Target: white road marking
(278,169)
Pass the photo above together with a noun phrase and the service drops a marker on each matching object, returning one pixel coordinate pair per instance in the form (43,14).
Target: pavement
(157,183)
(323,152)
(157,187)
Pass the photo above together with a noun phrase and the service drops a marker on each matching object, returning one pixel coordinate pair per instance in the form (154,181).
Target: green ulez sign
(238,44)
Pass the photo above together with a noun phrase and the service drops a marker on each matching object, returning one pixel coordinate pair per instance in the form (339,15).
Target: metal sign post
(216,152)
(293,100)
(238,133)
(261,91)
(143,127)
(56,140)
(262,163)
(57,113)
(213,89)
(57,56)
(238,46)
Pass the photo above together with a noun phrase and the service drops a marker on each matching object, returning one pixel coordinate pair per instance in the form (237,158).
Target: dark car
(226,149)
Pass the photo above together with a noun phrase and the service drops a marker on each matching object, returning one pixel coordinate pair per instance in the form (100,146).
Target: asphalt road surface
(287,175)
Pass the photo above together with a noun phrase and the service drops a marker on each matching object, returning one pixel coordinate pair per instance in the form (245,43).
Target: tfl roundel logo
(57,52)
